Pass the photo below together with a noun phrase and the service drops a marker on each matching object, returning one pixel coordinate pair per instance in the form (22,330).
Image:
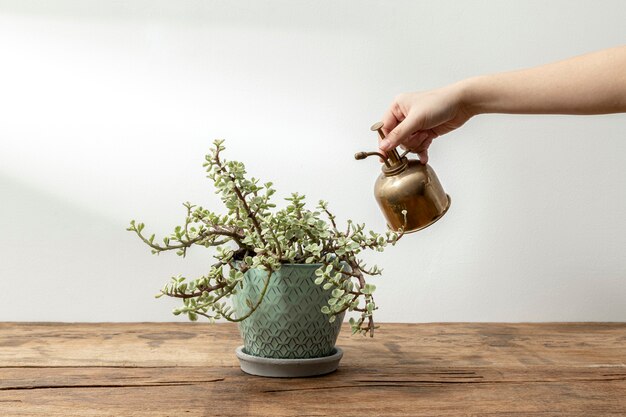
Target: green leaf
(337,292)
(368,289)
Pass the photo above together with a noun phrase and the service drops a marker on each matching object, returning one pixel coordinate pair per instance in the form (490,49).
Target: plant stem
(258,303)
(240,196)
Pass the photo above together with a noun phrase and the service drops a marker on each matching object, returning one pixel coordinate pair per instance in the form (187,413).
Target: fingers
(418,146)
(422,150)
(402,133)
(415,119)
(396,137)
(390,121)
(404,125)
(416,140)
(393,116)
(423,155)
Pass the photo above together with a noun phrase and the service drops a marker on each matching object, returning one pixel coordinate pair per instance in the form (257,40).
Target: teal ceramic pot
(288,324)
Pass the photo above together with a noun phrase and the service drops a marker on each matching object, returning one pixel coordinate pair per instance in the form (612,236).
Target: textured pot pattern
(288,324)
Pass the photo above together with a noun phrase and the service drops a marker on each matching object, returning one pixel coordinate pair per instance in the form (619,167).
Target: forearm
(589,84)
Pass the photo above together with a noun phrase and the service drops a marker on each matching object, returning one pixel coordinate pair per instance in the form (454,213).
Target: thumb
(401,133)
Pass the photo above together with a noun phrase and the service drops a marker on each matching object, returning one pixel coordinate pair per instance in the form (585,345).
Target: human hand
(414,120)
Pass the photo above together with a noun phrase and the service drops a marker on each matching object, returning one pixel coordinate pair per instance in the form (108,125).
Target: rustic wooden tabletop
(189,369)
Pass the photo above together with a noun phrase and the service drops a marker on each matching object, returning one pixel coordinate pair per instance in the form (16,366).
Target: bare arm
(589,84)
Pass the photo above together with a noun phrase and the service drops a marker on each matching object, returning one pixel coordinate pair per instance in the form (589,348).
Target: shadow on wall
(62,262)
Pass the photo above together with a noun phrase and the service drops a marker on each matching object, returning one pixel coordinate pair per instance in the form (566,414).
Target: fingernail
(384,145)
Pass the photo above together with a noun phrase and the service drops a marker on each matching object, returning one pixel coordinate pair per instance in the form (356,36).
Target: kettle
(409,194)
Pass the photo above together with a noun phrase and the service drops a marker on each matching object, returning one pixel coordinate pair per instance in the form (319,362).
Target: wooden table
(189,369)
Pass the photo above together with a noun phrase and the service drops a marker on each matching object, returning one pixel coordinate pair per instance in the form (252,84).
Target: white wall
(107,108)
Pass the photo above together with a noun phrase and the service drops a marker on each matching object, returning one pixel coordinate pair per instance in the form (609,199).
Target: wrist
(472,95)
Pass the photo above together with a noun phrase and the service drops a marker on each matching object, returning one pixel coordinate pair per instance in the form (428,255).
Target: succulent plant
(254,233)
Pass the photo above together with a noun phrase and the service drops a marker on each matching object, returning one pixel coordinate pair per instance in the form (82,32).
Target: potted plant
(291,272)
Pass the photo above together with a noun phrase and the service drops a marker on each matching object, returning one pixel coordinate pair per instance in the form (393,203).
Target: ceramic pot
(288,324)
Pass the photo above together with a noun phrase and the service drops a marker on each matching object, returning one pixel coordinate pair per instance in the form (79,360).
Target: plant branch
(258,303)
(240,196)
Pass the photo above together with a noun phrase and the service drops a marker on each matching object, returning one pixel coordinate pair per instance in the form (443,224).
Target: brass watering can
(408,193)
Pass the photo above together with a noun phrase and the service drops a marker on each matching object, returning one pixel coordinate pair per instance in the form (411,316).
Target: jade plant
(254,233)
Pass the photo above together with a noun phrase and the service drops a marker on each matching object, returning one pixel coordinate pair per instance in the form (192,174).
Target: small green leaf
(337,292)
(368,289)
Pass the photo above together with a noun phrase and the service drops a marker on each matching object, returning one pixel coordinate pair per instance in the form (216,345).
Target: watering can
(409,193)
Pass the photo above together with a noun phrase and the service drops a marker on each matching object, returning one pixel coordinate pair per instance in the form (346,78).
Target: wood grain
(189,369)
